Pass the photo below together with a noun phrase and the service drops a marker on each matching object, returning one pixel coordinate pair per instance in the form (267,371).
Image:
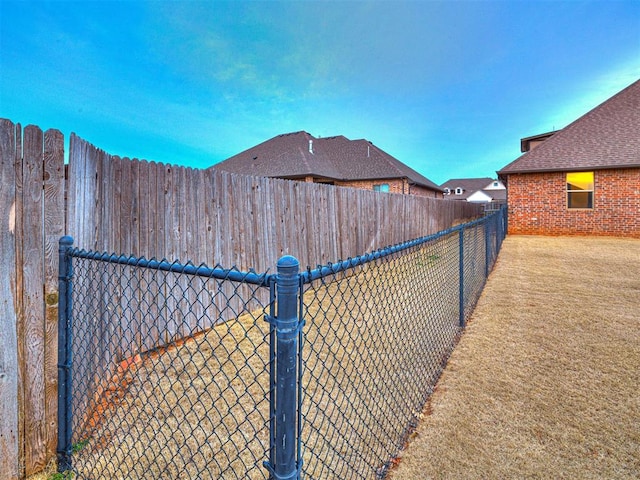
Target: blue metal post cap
(288,261)
(66,240)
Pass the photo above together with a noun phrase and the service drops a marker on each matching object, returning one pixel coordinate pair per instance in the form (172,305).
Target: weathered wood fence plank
(54,228)
(33,299)
(9,399)
(31,222)
(19,287)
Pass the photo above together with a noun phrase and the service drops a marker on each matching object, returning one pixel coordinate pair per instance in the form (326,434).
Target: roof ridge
(337,157)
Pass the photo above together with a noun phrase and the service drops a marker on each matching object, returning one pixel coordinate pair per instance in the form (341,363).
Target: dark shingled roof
(606,137)
(335,158)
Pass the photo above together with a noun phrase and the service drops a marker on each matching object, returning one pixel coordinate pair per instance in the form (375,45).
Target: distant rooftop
(299,154)
(469,186)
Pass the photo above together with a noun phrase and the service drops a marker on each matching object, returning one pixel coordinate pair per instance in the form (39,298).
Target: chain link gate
(170,370)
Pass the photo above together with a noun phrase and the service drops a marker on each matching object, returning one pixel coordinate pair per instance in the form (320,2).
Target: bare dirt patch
(544,382)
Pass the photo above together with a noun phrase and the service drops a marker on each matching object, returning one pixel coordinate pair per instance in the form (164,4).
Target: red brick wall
(395,186)
(538,205)
(425,192)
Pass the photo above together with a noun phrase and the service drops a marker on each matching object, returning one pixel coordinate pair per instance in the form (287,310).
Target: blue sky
(448,88)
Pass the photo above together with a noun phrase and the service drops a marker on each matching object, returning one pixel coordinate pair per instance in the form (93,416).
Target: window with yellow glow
(580,190)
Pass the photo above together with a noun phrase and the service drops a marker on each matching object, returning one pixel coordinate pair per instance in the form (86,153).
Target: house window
(580,190)
(459,191)
(383,187)
(447,191)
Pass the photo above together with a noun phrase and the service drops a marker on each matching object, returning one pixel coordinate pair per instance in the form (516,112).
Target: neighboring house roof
(606,137)
(475,189)
(300,154)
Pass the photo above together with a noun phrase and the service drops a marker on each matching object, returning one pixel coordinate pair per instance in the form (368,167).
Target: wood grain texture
(54,228)
(171,247)
(33,301)
(10,454)
(19,290)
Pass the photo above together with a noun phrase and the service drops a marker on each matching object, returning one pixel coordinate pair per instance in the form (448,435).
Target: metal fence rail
(177,371)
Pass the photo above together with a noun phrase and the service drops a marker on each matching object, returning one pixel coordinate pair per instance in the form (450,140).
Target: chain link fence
(169,370)
(177,371)
(379,330)
(377,336)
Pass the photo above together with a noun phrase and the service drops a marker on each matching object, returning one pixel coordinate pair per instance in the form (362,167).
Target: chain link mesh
(170,374)
(474,265)
(377,337)
(173,365)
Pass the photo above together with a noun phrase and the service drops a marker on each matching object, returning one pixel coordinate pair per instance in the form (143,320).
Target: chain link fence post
(65,290)
(487,227)
(284,463)
(461,322)
(505,221)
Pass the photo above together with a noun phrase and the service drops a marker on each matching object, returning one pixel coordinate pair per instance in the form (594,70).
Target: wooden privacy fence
(156,210)
(32,219)
(153,210)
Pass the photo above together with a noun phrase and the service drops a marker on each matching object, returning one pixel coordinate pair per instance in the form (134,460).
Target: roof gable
(495,185)
(479,196)
(606,137)
(300,154)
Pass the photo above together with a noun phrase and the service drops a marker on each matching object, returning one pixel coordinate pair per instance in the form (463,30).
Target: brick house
(331,160)
(583,179)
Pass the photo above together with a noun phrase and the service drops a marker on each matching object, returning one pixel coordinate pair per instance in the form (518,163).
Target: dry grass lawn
(545,381)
